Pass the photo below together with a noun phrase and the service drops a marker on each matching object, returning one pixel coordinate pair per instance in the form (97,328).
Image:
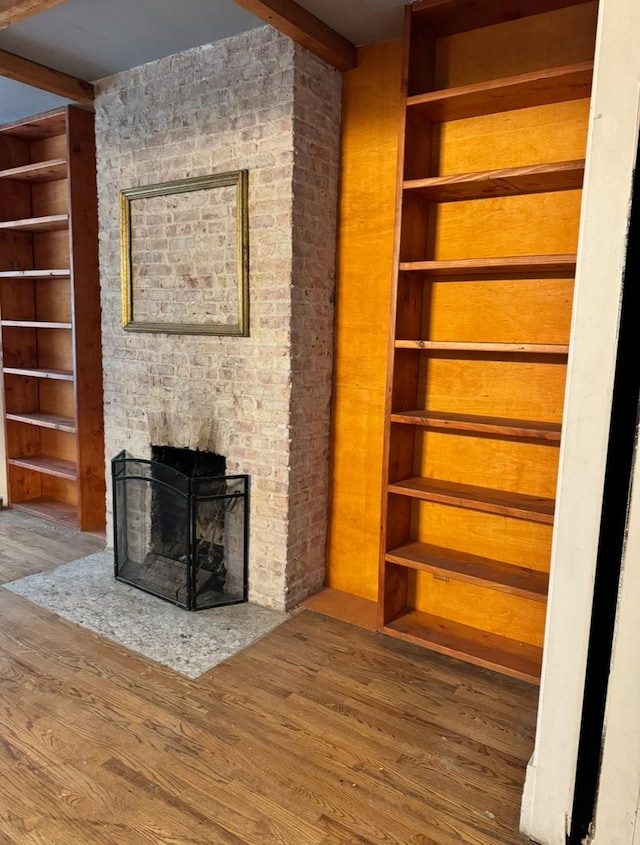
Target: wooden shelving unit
(39,171)
(510,181)
(50,318)
(532,429)
(570,82)
(506,268)
(492,651)
(485,254)
(469,346)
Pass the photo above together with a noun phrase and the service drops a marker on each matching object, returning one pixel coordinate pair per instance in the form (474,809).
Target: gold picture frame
(185,256)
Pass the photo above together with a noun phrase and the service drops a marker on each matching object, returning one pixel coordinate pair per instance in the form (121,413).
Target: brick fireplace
(262,103)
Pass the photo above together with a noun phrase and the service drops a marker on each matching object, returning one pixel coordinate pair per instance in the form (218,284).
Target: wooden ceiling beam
(45,78)
(14,11)
(304,28)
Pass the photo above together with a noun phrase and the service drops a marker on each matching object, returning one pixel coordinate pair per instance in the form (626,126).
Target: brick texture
(261,103)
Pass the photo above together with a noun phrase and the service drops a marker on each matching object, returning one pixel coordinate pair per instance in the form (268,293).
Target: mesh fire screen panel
(178,533)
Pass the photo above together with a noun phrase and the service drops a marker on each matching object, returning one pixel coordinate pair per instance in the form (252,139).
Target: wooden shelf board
(60,375)
(37,128)
(42,420)
(41,171)
(345,607)
(518,505)
(50,509)
(34,324)
(552,85)
(540,178)
(51,223)
(458,566)
(500,426)
(463,346)
(519,660)
(510,267)
(47,465)
(35,275)
(448,17)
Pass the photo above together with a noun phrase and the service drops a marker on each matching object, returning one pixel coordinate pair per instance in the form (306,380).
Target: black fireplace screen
(180,535)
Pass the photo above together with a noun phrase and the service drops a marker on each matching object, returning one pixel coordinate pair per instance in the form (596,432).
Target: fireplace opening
(180,527)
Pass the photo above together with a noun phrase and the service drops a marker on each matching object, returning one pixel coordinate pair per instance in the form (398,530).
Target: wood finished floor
(319,734)
(29,545)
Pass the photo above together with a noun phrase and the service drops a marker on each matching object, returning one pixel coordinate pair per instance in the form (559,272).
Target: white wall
(549,785)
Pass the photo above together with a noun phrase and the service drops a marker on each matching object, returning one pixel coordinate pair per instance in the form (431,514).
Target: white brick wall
(261,103)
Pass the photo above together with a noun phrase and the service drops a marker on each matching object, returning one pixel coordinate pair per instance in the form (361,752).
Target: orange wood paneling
(371,115)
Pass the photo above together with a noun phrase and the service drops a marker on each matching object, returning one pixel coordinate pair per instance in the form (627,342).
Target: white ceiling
(91,39)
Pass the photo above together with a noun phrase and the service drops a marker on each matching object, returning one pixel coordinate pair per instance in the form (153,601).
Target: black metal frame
(187,488)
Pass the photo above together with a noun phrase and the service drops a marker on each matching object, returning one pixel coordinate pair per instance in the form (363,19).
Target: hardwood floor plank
(102,746)
(29,545)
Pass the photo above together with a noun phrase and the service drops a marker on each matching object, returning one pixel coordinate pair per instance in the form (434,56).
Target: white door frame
(613,133)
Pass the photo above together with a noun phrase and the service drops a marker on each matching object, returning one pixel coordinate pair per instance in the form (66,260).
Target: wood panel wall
(540,310)
(370,119)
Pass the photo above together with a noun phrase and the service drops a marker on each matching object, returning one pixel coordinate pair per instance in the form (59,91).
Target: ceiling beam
(45,78)
(14,11)
(305,29)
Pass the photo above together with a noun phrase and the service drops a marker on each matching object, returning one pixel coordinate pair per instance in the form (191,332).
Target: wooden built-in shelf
(464,346)
(519,660)
(50,320)
(41,171)
(51,223)
(34,275)
(47,465)
(42,126)
(448,17)
(58,422)
(485,604)
(552,85)
(458,566)
(344,606)
(503,502)
(33,372)
(34,324)
(512,181)
(51,509)
(500,426)
(509,267)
